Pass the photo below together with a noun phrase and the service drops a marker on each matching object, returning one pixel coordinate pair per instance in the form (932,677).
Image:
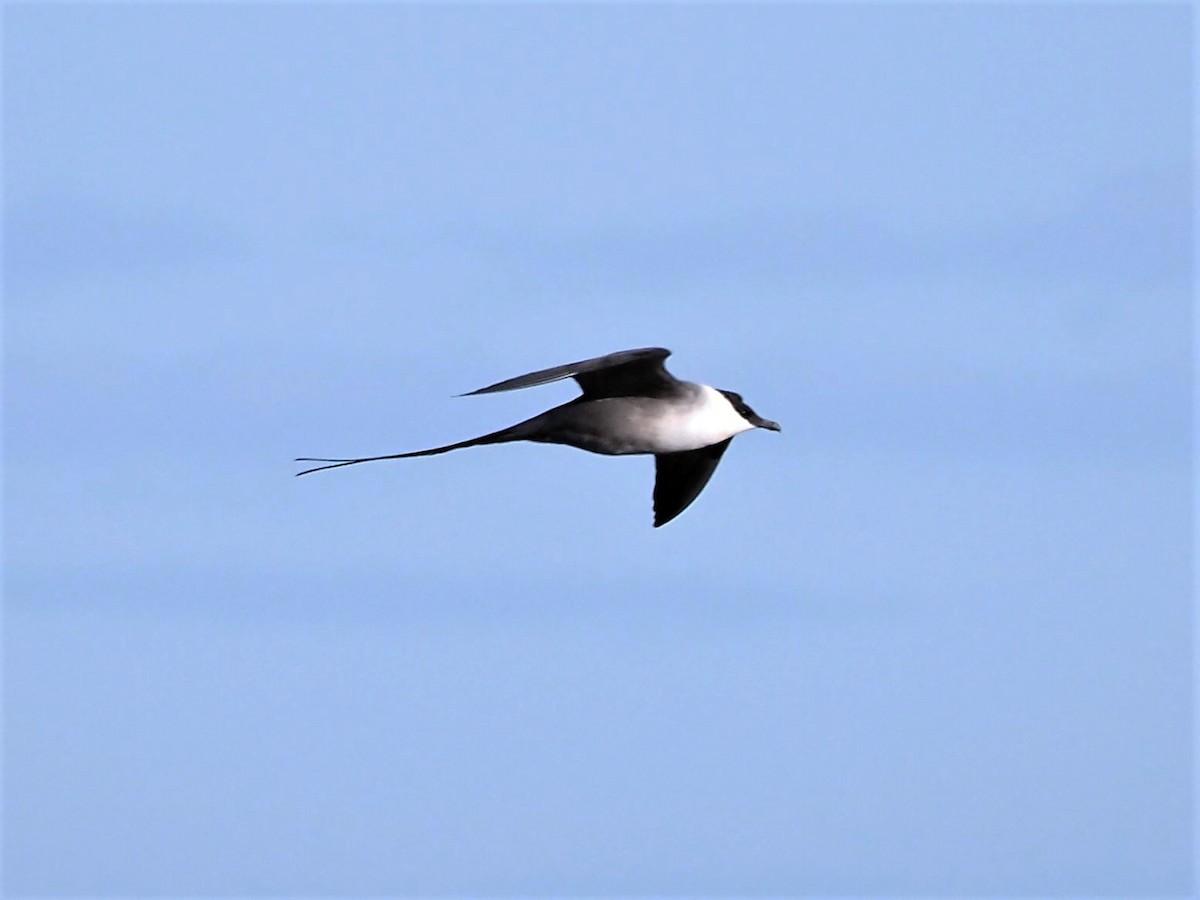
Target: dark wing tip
(664,512)
(663,515)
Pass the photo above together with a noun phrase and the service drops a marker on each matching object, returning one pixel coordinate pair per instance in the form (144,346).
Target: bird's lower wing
(680,477)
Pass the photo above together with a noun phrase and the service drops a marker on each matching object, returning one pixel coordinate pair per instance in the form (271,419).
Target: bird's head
(748,414)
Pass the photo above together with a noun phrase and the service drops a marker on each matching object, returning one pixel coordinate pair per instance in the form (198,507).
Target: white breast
(709,419)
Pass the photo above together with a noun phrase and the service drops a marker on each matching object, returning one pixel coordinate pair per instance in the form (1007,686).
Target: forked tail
(515,433)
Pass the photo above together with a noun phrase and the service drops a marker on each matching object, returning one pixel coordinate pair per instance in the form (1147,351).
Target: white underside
(708,420)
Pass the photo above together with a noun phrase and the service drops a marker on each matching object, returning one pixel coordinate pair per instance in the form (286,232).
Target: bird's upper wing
(627,373)
(680,477)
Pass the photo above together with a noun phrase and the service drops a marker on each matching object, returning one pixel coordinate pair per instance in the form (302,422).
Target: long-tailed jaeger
(630,404)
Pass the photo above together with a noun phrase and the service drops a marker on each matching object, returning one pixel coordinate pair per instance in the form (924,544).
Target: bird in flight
(630,404)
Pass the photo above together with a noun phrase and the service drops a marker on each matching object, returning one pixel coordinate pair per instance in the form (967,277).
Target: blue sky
(932,639)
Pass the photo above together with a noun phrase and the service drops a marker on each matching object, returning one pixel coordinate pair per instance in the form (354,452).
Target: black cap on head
(748,414)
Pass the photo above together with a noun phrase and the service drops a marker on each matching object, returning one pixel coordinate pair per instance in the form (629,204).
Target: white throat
(709,419)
